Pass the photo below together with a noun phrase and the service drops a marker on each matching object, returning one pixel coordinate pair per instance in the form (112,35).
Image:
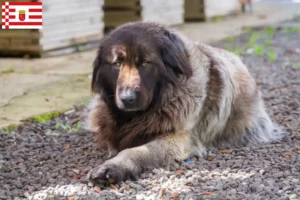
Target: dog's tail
(261,130)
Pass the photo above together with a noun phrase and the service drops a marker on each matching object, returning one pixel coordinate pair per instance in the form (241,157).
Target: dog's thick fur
(190,96)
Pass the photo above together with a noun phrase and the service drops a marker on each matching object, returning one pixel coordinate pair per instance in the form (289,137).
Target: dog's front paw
(109,173)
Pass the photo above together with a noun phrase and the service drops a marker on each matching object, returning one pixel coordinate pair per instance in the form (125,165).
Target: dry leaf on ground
(113,187)
(211,158)
(97,190)
(180,171)
(76,176)
(288,155)
(208,193)
(225,151)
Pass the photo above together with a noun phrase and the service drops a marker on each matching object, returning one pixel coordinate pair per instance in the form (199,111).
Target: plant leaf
(259,50)
(272,55)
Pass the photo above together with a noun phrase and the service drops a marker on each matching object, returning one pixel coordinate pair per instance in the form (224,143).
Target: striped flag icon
(22,15)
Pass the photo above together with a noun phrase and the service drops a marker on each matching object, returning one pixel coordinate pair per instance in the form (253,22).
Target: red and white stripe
(33,15)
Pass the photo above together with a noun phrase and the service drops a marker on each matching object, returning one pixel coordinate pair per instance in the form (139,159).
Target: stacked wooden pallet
(194,10)
(215,8)
(67,25)
(169,12)
(117,12)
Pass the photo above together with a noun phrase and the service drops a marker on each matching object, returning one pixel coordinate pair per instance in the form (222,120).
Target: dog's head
(134,64)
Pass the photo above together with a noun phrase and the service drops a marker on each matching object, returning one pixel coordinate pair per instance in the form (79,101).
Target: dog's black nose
(128,96)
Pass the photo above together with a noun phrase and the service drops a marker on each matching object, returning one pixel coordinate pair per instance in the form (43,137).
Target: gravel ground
(50,160)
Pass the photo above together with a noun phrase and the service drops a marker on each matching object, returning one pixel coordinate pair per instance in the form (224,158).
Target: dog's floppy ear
(96,67)
(174,54)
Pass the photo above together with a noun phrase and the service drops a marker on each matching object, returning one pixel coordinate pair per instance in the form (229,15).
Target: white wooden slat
(217,8)
(59,3)
(87,21)
(48,31)
(64,43)
(72,9)
(96,11)
(168,12)
(68,22)
(160,3)
(52,36)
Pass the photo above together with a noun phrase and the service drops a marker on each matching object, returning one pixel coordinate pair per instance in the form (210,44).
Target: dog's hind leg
(130,163)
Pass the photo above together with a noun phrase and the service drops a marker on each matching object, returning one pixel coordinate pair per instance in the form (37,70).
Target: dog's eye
(118,64)
(145,64)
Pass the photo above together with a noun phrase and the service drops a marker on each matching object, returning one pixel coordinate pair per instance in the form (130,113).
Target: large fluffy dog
(160,97)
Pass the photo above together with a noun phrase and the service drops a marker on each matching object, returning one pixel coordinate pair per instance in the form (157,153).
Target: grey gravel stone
(135,186)
(3,197)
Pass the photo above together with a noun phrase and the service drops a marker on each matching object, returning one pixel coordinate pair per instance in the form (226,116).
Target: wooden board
(121,4)
(194,10)
(64,43)
(72,49)
(115,18)
(18,33)
(20,51)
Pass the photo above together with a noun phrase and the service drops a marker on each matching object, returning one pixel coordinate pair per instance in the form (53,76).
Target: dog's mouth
(130,106)
(130,109)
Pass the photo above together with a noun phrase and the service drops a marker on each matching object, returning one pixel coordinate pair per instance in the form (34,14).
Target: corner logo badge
(22,15)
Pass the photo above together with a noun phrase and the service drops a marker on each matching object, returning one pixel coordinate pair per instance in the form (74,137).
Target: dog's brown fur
(189,96)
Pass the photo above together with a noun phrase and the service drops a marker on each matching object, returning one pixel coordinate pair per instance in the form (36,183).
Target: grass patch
(69,128)
(253,39)
(259,50)
(270,31)
(268,42)
(9,128)
(272,55)
(291,30)
(7,70)
(259,47)
(296,65)
(237,51)
(42,119)
(45,117)
(79,48)
(230,39)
